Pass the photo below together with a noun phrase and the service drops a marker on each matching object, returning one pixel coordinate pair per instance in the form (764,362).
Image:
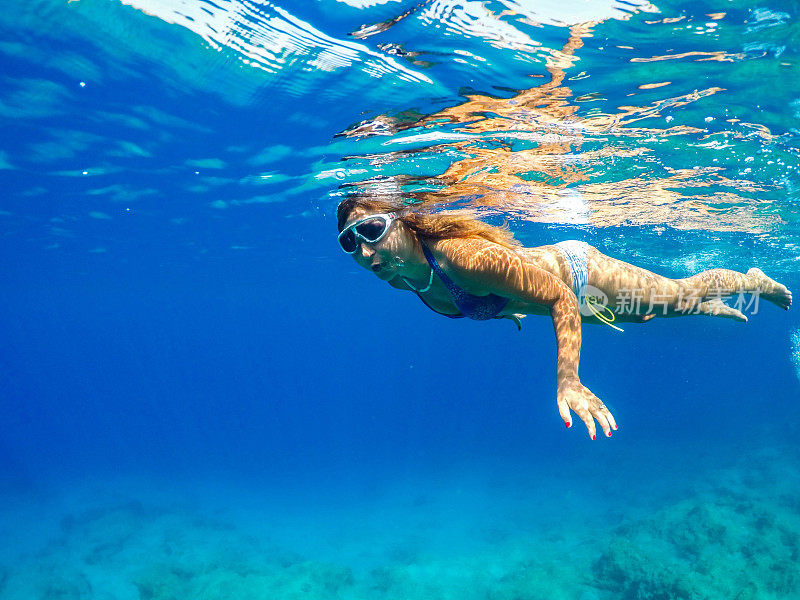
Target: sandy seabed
(732,534)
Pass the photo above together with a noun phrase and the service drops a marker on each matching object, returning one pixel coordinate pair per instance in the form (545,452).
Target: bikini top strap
(448,283)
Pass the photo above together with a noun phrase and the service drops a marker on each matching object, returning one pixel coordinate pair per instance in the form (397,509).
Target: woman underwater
(462,267)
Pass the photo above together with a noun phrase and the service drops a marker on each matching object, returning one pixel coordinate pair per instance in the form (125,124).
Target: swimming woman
(460,266)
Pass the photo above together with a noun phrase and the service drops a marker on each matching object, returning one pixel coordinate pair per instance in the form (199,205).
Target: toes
(782,300)
(717,308)
(772,291)
(732,313)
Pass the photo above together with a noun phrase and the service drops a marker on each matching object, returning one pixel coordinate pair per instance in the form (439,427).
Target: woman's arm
(492,268)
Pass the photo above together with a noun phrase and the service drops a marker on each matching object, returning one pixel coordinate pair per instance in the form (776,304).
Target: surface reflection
(270,38)
(544,154)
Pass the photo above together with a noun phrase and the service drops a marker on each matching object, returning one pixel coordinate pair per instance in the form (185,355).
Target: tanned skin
(538,281)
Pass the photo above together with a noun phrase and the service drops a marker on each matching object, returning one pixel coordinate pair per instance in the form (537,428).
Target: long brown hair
(461,223)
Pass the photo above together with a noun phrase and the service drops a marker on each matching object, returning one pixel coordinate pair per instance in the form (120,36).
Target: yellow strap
(590,302)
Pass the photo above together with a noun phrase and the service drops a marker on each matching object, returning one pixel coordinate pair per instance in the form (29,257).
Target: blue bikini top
(479,308)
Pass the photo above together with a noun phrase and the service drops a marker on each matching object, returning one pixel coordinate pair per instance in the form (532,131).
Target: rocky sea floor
(733,533)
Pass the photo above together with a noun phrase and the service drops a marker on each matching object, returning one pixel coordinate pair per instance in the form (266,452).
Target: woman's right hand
(573,395)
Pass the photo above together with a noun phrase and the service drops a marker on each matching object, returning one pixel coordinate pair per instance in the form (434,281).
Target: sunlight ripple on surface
(270,38)
(554,155)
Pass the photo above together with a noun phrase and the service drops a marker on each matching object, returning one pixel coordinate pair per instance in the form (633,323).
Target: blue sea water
(201,396)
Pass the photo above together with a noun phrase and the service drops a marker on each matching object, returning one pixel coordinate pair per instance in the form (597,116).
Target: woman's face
(382,257)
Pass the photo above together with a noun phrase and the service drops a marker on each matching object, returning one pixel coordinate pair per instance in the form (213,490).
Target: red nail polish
(609,434)
(593,437)
(568,425)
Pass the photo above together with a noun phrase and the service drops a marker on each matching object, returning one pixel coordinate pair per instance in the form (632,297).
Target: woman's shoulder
(454,248)
(464,243)
(471,254)
(477,254)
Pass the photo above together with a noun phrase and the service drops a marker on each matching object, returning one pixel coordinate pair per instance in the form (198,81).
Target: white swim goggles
(371,229)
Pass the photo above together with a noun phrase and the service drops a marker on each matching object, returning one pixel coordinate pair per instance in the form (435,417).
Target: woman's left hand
(576,396)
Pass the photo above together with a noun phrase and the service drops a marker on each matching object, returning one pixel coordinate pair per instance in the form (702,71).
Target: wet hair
(430,226)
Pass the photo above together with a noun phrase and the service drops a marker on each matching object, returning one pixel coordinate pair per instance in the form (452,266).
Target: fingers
(582,410)
(587,419)
(600,412)
(563,410)
(611,420)
(602,418)
(589,408)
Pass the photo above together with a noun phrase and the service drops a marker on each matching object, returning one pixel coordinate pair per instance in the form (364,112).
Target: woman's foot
(770,290)
(717,308)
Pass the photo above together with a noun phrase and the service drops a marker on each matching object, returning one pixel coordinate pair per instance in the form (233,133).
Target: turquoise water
(203,397)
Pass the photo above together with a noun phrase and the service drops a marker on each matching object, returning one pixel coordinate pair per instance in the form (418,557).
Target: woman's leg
(638,293)
(732,282)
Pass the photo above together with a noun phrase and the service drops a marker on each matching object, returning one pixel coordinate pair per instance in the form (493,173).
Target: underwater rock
(46,581)
(298,582)
(131,552)
(535,579)
(456,579)
(705,549)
